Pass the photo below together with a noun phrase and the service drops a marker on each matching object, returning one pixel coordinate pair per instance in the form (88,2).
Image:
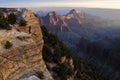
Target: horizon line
(60,7)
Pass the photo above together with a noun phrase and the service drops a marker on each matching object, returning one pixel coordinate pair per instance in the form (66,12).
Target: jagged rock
(70,21)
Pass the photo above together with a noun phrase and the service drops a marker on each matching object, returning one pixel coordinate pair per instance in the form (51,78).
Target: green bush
(1,14)
(64,71)
(3,22)
(47,54)
(11,18)
(8,45)
(40,75)
(22,22)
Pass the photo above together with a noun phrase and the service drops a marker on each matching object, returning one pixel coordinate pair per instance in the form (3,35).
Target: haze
(112,4)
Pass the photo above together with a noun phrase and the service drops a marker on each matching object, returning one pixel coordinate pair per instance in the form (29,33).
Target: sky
(112,4)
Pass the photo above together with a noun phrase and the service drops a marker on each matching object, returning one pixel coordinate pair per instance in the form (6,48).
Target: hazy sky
(115,4)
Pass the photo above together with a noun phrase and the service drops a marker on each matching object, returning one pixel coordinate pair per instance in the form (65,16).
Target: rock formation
(74,18)
(24,58)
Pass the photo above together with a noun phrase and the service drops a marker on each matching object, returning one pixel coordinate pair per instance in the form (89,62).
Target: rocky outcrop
(53,19)
(24,58)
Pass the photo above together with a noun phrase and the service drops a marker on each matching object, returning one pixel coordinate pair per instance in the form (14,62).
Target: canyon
(88,36)
(36,53)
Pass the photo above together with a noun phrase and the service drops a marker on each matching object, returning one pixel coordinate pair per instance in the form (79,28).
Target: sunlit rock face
(73,19)
(24,58)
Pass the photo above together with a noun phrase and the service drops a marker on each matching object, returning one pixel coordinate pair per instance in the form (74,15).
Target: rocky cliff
(24,58)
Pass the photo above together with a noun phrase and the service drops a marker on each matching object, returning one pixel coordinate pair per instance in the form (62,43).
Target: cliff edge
(24,58)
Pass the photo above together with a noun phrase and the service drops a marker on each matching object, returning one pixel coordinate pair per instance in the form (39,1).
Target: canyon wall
(24,58)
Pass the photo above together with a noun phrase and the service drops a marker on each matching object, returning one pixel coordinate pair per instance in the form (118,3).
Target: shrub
(3,22)
(8,45)
(1,14)
(11,18)
(63,71)
(40,75)
(22,22)
(47,54)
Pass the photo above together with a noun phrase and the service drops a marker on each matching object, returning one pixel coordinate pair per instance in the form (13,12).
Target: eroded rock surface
(24,58)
